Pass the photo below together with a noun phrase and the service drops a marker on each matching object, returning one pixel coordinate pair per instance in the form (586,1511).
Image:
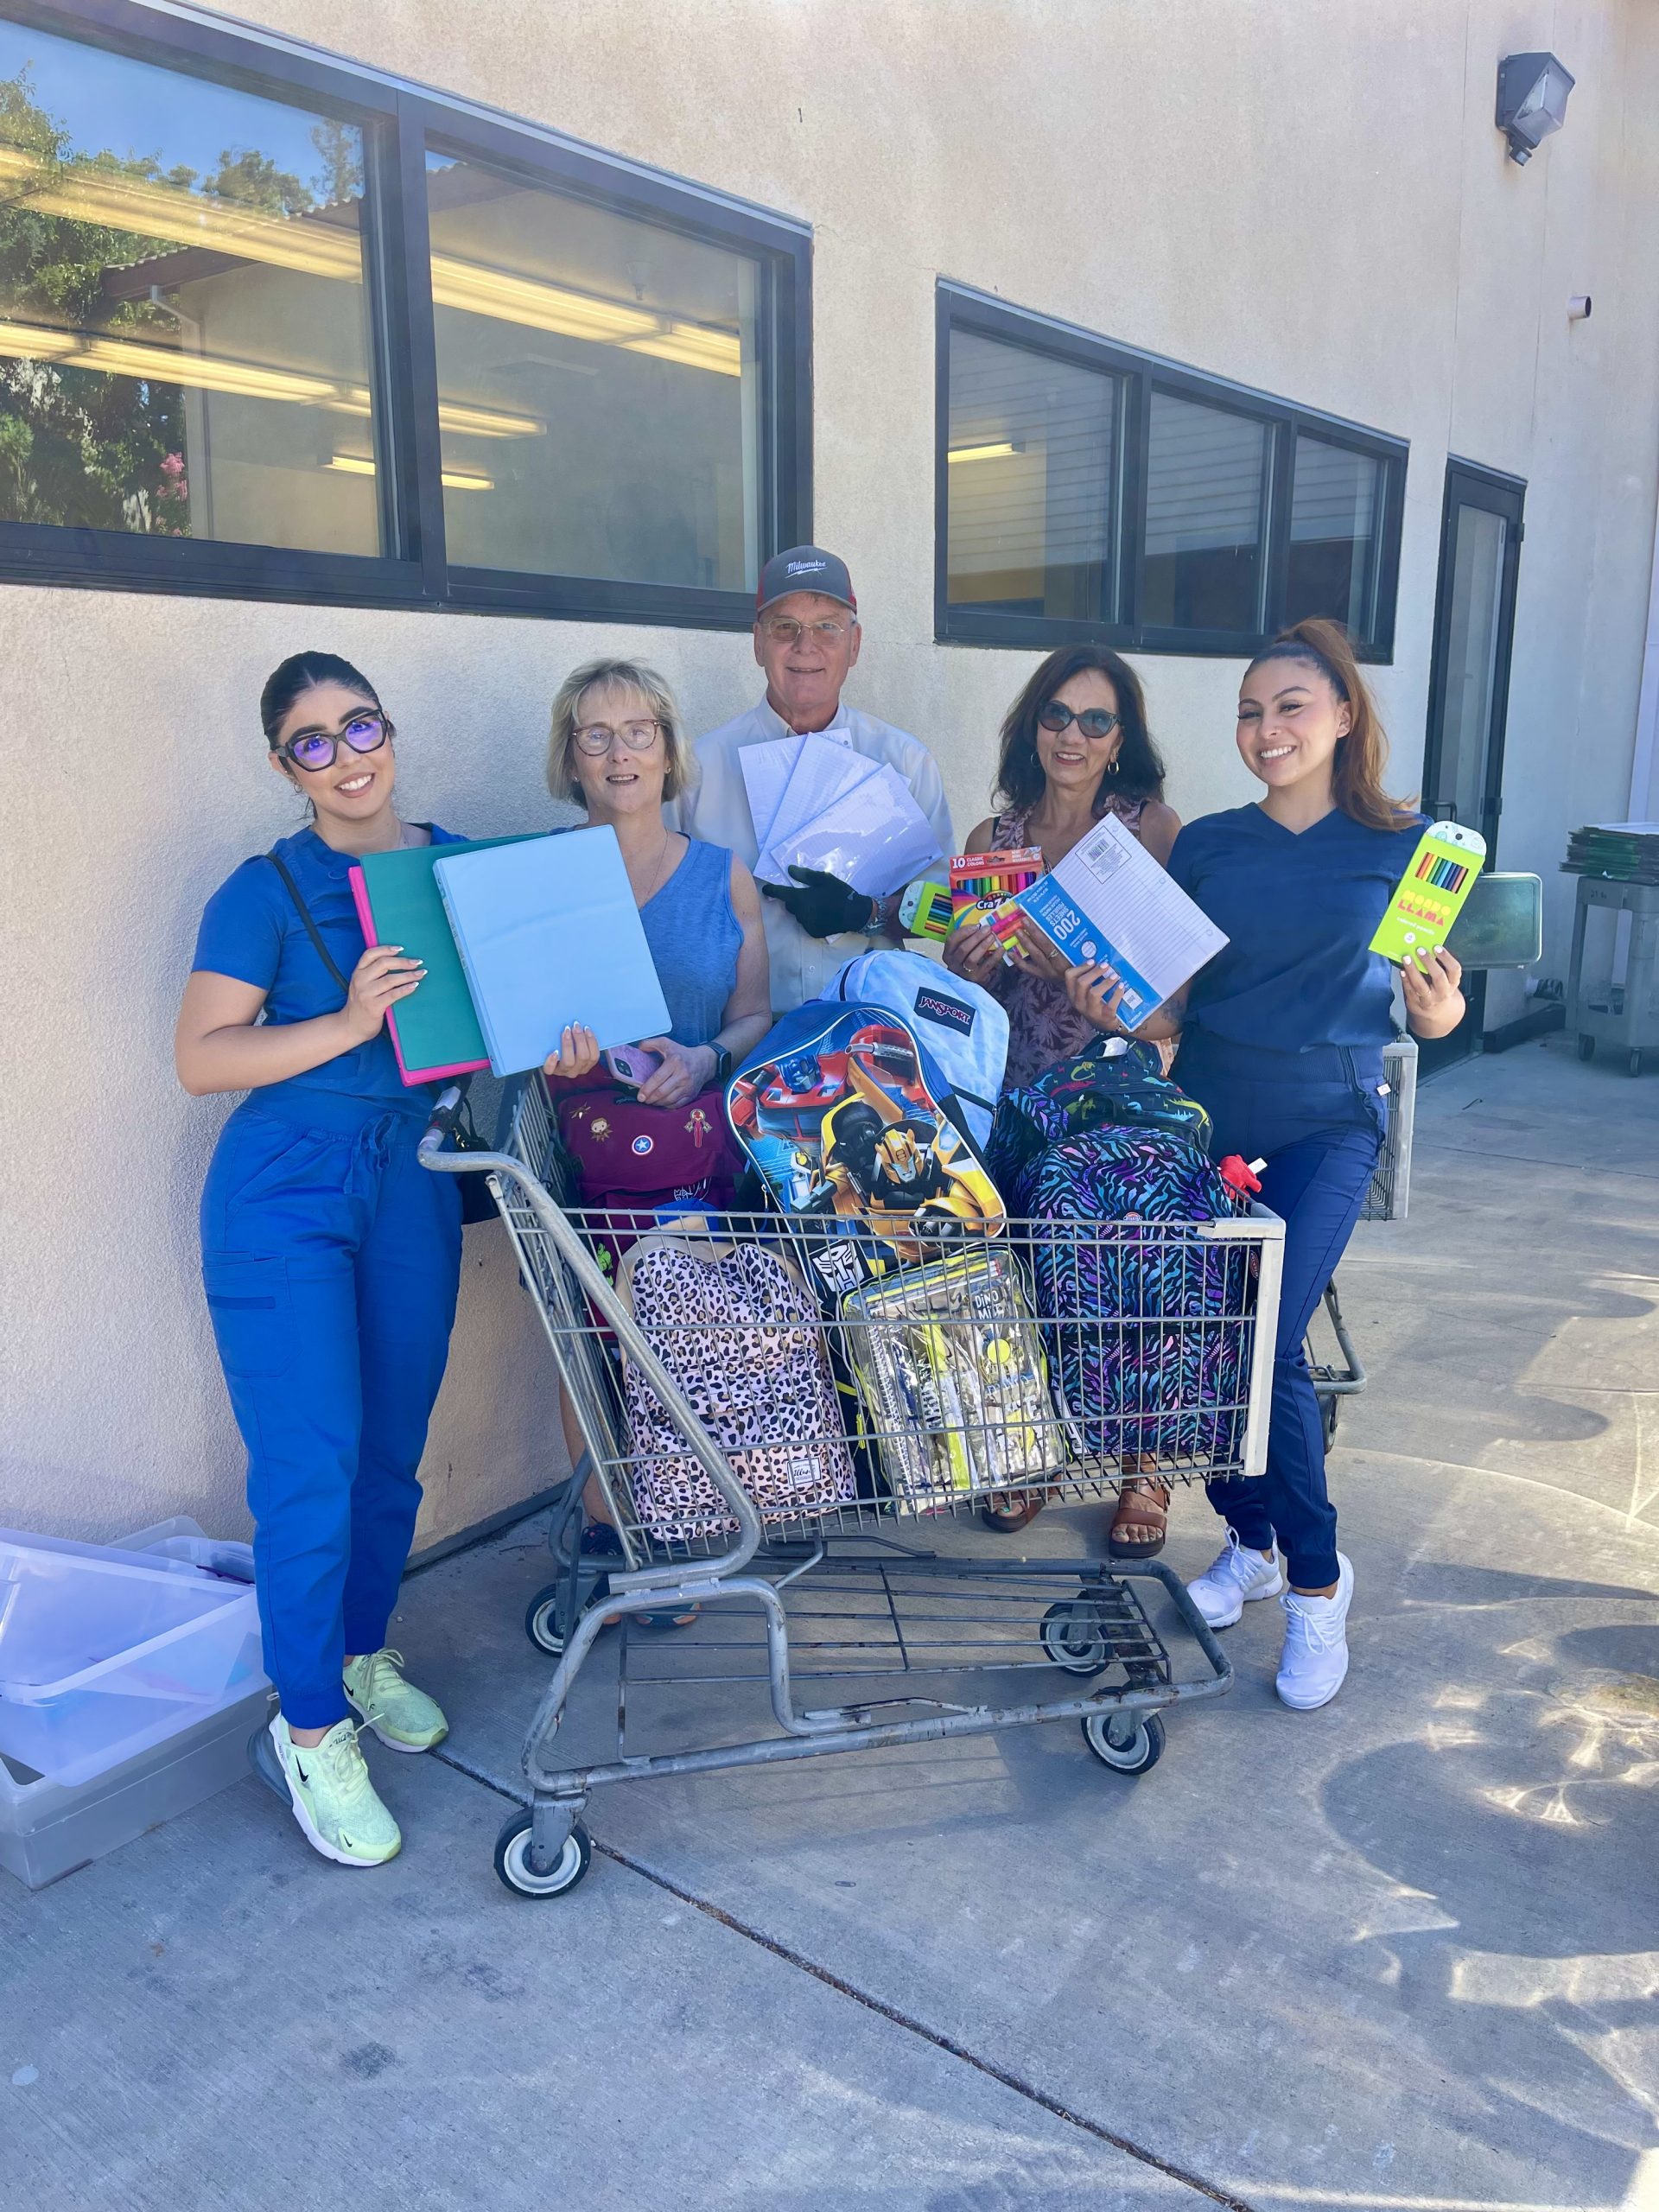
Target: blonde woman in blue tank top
(617,747)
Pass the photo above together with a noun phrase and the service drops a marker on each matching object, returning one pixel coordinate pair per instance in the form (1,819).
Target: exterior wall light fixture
(1532,90)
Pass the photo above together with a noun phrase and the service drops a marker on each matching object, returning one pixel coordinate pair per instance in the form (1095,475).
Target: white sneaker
(1221,1592)
(1315,1658)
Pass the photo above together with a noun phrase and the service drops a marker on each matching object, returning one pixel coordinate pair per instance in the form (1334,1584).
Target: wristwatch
(880,922)
(722,1064)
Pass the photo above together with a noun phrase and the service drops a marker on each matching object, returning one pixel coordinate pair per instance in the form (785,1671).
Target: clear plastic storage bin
(105,1652)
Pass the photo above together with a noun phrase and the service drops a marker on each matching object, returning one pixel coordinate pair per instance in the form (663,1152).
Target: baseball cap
(803,568)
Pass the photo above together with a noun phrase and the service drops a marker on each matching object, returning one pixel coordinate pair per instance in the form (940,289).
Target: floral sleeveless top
(1043,1027)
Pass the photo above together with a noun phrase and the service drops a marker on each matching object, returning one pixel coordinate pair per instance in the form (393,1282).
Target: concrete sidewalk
(1399,1954)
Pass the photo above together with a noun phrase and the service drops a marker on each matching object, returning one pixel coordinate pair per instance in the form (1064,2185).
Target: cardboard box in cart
(130,1683)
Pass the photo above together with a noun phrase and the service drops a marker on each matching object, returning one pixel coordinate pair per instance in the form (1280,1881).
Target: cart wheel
(1073,1637)
(1129,1743)
(1636,1063)
(1329,1414)
(542,1624)
(1586,1048)
(513,1861)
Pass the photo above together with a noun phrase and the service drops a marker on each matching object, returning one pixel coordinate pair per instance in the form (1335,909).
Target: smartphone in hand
(631,1065)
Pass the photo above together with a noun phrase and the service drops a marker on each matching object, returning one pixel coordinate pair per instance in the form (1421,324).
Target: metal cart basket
(1387,1199)
(869,1620)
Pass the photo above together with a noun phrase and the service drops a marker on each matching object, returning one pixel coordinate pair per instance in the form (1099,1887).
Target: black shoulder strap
(311,929)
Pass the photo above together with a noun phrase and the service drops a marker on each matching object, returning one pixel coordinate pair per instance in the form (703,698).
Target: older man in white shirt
(806,638)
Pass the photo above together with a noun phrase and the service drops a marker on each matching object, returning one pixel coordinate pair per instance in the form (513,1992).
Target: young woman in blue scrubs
(1282,1036)
(330,1257)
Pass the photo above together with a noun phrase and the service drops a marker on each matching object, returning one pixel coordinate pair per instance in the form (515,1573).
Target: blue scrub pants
(331,1260)
(1318,1119)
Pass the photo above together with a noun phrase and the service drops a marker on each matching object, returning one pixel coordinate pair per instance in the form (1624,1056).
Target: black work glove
(823,904)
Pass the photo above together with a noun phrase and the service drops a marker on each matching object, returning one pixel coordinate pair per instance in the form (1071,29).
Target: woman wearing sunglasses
(1075,747)
(331,1258)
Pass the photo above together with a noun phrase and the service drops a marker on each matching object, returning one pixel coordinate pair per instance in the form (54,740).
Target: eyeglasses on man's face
(597,739)
(1093,722)
(313,749)
(785,630)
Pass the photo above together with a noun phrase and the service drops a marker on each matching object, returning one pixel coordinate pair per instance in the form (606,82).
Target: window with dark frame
(183,338)
(1086,492)
(270,328)
(1032,453)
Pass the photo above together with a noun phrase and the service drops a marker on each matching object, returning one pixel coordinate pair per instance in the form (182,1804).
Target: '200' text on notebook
(1110,900)
(549,934)
(435,1032)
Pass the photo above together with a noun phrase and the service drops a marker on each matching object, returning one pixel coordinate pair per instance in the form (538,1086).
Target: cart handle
(503,1166)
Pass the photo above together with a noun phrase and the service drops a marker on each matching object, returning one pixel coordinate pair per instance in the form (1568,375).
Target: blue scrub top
(1299,911)
(251,929)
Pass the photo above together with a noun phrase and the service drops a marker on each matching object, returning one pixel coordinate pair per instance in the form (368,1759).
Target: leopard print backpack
(739,1332)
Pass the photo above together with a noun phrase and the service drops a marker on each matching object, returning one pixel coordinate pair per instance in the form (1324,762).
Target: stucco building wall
(1306,198)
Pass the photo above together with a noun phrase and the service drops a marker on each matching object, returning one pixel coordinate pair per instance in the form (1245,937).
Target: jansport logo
(950,1013)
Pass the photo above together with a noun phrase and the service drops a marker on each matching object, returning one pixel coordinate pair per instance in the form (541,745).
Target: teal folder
(435,1031)
(549,935)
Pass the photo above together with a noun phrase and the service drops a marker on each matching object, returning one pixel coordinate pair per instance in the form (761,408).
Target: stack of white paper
(818,804)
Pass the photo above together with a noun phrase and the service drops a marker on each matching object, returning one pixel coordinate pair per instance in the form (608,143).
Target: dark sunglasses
(1093,722)
(365,732)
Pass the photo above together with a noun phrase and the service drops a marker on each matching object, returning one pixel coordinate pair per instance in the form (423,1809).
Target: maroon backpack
(632,1162)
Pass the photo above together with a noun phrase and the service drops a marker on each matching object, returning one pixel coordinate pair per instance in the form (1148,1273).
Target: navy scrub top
(251,930)
(1299,911)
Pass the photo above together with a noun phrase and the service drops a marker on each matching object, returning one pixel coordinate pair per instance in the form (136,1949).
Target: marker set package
(983,883)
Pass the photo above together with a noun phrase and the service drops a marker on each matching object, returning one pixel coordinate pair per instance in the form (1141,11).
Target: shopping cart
(1387,1200)
(873,1622)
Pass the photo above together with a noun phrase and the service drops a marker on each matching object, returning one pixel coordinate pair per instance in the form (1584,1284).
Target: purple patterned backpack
(1151,1357)
(1112,1079)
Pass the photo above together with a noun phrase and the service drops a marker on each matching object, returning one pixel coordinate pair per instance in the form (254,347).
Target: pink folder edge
(366,917)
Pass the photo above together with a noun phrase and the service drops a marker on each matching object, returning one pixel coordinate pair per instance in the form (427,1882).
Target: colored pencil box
(1429,896)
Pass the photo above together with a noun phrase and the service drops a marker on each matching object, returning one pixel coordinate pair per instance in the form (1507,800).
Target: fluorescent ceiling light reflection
(458,479)
(128,357)
(163,211)
(186,219)
(984,453)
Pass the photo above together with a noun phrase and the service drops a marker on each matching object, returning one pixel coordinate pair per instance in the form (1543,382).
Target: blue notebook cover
(549,933)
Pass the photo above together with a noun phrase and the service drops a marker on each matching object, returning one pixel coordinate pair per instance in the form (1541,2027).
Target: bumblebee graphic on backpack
(856,1135)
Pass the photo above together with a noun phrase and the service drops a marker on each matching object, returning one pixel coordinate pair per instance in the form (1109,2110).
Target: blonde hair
(635,676)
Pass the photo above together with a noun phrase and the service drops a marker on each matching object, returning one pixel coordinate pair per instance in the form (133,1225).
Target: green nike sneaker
(404,1717)
(334,1799)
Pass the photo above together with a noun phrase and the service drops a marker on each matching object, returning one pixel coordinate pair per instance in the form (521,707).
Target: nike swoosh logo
(304,1777)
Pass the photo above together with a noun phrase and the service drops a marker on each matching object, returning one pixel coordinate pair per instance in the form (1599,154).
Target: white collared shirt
(717,809)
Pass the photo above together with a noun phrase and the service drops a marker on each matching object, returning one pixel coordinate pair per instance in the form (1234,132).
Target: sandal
(1141,1521)
(600,1540)
(1009,1510)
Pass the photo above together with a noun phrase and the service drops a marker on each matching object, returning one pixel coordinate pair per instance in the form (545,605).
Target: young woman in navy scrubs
(330,1257)
(1281,1038)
